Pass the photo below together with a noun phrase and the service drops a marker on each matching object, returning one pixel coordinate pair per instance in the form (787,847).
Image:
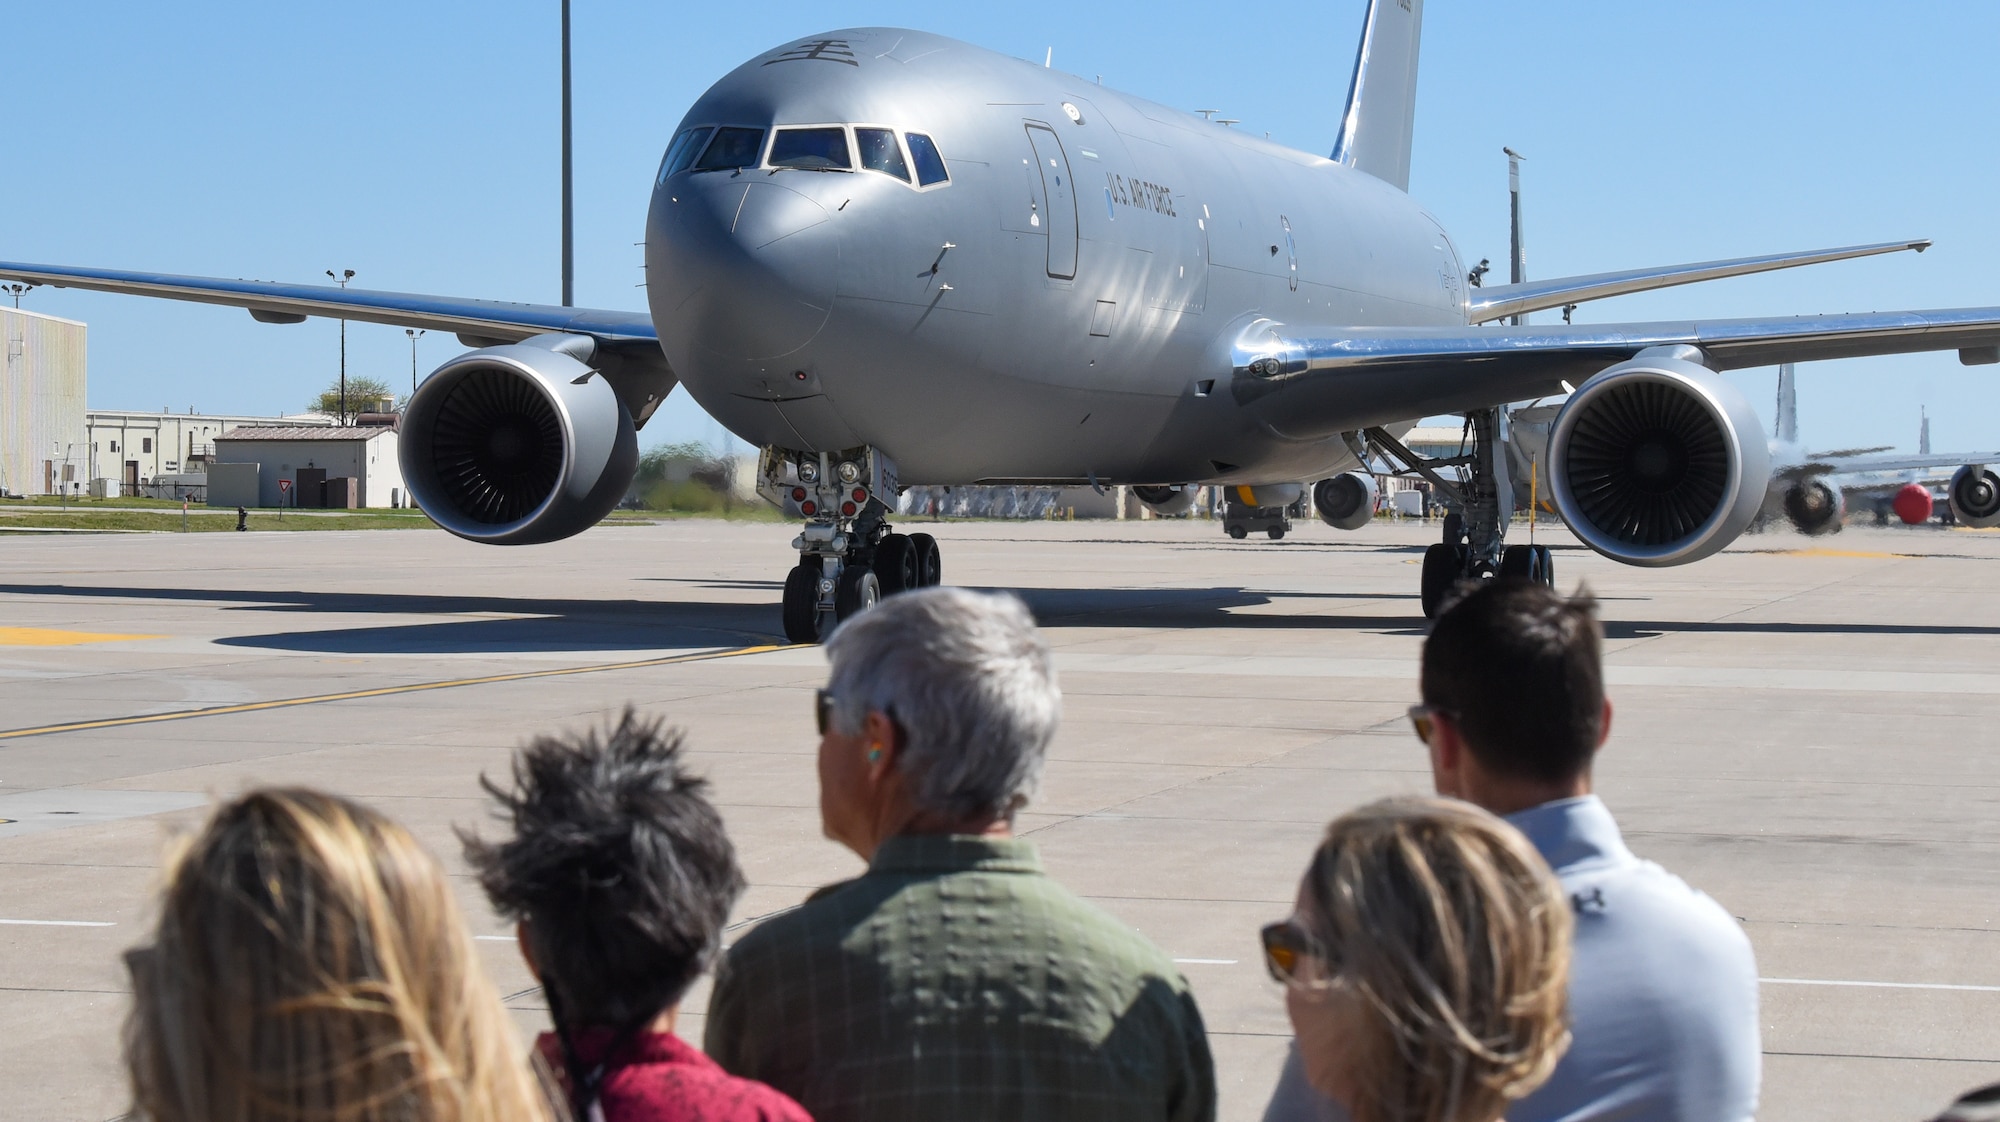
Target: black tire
(859,591)
(1238,532)
(1444,565)
(1454,528)
(802,603)
(1276,532)
(930,563)
(1548,561)
(1519,561)
(897,564)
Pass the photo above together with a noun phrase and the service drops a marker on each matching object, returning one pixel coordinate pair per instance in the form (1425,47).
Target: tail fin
(1788,406)
(1381,114)
(1924,432)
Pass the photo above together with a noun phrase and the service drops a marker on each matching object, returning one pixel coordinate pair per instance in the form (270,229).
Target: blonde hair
(1451,931)
(310,964)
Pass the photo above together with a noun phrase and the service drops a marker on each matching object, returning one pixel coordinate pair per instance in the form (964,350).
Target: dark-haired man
(1663,985)
(620,878)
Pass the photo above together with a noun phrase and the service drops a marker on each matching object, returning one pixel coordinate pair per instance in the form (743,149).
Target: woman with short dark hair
(620,879)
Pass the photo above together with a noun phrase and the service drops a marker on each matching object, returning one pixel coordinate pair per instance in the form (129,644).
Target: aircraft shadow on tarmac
(504,625)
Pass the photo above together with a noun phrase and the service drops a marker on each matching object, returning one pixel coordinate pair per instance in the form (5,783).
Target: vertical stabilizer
(1923,431)
(1788,406)
(1381,113)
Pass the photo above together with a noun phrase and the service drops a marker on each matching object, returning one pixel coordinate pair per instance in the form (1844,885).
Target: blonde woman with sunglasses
(1425,964)
(310,964)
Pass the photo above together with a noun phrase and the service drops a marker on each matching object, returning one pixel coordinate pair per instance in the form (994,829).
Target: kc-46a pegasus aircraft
(890,258)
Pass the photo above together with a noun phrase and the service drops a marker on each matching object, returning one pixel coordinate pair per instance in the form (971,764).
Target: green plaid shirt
(956,982)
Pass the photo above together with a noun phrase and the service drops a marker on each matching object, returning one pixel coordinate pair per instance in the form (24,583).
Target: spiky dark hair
(618,864)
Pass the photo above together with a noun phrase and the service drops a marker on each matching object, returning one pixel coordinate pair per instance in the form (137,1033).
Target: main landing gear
(849,557)
(1475,535)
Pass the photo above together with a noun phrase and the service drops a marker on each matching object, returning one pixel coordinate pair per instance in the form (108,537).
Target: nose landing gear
(849,557)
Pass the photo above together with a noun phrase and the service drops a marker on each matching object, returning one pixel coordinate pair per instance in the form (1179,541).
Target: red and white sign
(284,484)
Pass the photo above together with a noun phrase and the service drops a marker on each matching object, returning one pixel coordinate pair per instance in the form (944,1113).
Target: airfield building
(43,450)
(164,454)
(307,466)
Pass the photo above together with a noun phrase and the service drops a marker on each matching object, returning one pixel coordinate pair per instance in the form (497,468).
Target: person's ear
(1604,724)
(527,949)
(1447,757)
(880,743)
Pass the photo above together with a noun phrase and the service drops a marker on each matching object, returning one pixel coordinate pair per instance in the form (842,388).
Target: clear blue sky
(417,144)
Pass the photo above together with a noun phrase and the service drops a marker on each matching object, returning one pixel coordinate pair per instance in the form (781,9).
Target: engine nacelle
(1168,502)
(1345,502)
(1816,506)
(1975,496)
(518,444)
(1658,461)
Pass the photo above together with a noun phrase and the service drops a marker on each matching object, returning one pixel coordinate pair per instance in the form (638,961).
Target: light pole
(341,278)
(414,335)
(16,290)
(568,226)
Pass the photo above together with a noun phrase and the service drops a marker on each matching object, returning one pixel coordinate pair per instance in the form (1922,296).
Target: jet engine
(1168,502)
(518,444)
(1975,496)
(1345,502)
(1815,506)
(1658,461)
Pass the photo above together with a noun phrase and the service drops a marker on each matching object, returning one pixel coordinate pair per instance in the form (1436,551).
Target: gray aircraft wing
(1821,464)
(1310,381)
(1500,301)
(476,321)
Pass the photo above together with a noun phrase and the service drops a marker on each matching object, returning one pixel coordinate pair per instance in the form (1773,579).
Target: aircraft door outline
(1291,253)
(1059,192)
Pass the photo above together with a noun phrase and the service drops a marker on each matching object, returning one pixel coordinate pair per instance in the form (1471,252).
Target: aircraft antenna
(568,213)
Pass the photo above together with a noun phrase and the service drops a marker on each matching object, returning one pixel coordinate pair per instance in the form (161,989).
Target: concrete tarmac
(1805,729)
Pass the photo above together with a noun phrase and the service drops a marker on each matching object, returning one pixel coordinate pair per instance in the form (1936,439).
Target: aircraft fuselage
(1088,265)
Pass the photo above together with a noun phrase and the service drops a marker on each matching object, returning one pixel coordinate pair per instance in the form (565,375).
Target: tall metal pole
(568,228)
(1517,256)
(341,278)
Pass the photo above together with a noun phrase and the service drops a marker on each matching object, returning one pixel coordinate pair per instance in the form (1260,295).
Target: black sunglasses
(1286,945)
(1423,718)
(823,703)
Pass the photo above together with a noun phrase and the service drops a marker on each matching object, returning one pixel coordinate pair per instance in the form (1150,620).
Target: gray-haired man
(952,980)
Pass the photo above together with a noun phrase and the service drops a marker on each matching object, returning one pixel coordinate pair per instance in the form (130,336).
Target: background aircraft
(889,257)
(1815,489)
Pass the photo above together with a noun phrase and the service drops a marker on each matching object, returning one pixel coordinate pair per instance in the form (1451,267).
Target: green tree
(362,393)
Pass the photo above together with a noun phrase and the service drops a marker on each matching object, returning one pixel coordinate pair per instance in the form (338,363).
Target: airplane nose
(743,269)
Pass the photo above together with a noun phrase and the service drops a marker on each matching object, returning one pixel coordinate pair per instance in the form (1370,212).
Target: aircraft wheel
(1444,565)
(1454,528)
(1520,561)
(898,566)
(859,591)
(1238,532)
(802,603)
(930,563)
(1548,565)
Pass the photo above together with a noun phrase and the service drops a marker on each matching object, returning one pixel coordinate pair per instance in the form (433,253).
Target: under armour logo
(1592,901)
(824,50)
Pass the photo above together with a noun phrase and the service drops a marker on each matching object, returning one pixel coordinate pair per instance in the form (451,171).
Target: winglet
(1379,122)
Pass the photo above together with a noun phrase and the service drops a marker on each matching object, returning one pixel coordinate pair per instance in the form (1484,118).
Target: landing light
(849,471)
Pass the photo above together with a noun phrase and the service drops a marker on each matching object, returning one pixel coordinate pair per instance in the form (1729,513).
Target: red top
(658,1077)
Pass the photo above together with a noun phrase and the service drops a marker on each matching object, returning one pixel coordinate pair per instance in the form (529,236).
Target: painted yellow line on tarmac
(50,637)
(383,691)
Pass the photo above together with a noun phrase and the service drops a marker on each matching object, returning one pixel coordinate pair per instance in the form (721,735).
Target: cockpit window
(682,151)
(880,152)
(817,149)
(930,165)
(732,148)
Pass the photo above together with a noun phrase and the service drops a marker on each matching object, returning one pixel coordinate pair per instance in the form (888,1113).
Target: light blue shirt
(1662,992)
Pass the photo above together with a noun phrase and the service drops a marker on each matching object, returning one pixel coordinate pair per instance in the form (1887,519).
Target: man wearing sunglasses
(1663,984)
(953,979)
